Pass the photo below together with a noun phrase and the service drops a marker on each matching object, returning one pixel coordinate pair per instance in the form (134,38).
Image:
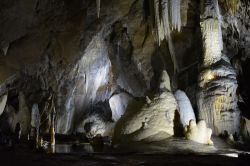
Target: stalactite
(98,7)
(175,10)
(165,18)
(159,25)
(163,27)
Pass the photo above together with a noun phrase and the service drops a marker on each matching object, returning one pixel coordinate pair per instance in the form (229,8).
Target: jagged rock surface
(148,121)
(216,98)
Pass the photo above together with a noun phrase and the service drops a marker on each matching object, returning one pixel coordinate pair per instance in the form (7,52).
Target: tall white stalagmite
(98,7)
(185,108)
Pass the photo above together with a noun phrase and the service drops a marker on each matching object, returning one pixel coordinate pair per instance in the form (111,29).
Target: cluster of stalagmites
(152,119)
(157,116)
(155,119)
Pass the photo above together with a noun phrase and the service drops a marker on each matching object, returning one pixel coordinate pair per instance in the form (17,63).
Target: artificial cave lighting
(91,82)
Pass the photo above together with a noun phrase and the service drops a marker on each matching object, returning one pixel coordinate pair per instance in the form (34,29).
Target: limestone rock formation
(216,97)
(86,59)
(11,116)
(94,125)
(118,104)
(198,132)
(217,101)
(93,52)
(3,100)
(185,110)
(151,121)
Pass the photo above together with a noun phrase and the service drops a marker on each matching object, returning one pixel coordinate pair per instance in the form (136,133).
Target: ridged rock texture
(151,120)
(217,98)
(87,60)
(100,55)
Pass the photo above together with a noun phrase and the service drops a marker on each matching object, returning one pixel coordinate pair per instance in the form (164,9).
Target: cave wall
(87,60)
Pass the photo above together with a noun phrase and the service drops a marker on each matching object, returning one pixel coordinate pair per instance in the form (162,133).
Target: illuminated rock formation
(185,108)
(148,121)
(118,104)
(217,99)
(21,116)
(198,132)
(94,125)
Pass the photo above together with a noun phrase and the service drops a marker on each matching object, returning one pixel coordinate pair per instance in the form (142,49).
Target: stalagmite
(3,100)
(118,104)
(185,108)
(217,98)
(198,132)
(159,24)
(148,121)
(35,122)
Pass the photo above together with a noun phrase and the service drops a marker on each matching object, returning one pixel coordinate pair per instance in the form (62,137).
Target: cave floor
(170,152)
